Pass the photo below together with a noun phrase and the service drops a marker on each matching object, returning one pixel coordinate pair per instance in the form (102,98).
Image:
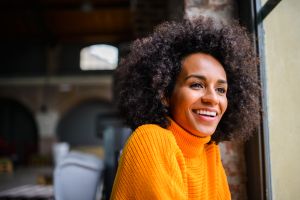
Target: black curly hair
(149,72)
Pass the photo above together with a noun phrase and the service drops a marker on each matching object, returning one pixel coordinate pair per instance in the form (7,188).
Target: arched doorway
(78,127)
(18,132)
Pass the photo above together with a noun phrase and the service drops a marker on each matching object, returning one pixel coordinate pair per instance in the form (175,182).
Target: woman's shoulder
(152,137)
(151,129)
(153,132)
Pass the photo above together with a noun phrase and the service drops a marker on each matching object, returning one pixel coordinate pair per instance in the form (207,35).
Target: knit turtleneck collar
(190,145)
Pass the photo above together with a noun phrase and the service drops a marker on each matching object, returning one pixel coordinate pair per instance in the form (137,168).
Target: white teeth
(205,112)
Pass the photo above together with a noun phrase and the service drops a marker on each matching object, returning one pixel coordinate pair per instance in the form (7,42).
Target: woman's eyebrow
(195,76)
(221,81)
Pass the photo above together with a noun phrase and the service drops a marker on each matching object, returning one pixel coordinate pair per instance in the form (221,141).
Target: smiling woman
(183,89)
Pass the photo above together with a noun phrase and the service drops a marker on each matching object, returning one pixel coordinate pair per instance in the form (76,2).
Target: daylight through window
(99,57)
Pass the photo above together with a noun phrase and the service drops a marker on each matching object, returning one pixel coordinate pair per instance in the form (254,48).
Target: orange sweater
(169,164)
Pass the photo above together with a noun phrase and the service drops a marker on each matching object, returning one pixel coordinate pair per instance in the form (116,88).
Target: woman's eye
(221,90)
(196,86)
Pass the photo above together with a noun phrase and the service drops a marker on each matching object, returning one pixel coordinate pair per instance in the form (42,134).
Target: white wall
(282,49)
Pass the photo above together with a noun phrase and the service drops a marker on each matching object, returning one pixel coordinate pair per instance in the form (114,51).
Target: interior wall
(57,99)
(282,53)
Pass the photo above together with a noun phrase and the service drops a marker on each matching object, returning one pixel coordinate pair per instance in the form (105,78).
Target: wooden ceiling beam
(96,21)
(99,38)
(68,25)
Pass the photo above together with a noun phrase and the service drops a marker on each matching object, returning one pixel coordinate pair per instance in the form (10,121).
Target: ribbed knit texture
(157,163)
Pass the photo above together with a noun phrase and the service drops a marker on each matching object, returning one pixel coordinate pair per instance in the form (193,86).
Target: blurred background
(56,78)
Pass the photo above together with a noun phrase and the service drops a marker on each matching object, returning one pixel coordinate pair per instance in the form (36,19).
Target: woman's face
(199,100)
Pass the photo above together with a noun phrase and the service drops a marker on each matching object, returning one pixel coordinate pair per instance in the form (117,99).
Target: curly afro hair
(149,72)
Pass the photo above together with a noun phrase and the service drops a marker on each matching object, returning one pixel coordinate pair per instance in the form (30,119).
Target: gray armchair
(78,177)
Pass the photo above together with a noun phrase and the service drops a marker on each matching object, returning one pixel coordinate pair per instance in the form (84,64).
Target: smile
(206,113)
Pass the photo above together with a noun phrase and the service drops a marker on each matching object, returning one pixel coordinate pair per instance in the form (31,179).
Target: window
(99,57)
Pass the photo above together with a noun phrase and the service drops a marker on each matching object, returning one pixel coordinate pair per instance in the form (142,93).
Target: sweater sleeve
(150,167)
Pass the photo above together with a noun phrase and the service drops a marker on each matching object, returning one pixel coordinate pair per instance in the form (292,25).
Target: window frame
(257,149)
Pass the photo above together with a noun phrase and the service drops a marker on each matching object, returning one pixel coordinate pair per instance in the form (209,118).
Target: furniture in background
(59,151)
(78,176)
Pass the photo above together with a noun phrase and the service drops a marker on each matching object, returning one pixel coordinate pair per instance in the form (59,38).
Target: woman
(184,89)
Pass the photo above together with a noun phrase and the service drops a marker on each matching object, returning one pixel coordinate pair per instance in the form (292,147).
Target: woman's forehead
(202,64)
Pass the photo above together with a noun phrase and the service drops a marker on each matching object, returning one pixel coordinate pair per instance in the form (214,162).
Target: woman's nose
(210,96)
